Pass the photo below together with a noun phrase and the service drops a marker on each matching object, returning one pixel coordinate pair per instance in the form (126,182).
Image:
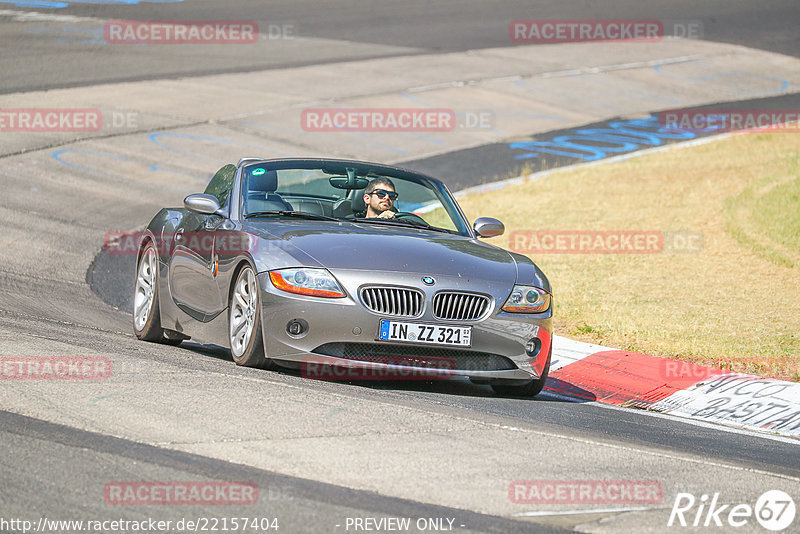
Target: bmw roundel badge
(428,280)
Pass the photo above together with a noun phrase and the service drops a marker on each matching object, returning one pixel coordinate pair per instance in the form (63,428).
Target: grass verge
(734,303)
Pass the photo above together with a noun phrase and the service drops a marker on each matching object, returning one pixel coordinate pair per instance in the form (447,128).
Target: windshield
(356,193)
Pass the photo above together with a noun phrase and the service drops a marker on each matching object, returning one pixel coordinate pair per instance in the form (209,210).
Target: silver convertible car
(318,264)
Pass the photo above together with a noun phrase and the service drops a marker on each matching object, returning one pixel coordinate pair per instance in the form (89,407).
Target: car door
(194,261)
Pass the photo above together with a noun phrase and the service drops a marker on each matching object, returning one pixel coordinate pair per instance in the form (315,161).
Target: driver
(379,197)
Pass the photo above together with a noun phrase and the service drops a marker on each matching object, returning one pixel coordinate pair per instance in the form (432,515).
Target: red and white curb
(586,372)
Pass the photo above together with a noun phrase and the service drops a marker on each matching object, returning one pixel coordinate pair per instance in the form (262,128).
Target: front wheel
(146,315)
(244,322)
(531,389)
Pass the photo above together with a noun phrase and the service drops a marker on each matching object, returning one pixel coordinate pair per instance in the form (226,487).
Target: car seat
(261,195)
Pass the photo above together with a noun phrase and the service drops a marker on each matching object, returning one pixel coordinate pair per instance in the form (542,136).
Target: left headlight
(527,299)
(306,281)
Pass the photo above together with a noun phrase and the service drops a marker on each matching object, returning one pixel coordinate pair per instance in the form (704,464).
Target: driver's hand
(388,214)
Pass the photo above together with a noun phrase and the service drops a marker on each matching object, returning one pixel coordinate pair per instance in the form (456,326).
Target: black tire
(150,329)
(250,353)
(531,389)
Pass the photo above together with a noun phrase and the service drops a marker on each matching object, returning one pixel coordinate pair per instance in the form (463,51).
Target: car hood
(364,246)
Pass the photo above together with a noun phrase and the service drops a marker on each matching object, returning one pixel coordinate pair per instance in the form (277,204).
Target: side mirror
(488,227)
(201,203)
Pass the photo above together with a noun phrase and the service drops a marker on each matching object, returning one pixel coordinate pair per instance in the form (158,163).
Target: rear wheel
(244,322)
(531,389)
(146,315)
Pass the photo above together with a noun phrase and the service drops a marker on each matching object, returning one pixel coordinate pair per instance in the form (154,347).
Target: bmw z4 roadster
(346,264)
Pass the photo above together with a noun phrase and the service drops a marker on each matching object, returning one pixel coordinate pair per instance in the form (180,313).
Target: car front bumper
(343,332)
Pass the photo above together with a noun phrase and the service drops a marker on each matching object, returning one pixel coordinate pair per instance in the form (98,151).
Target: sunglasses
(382,193)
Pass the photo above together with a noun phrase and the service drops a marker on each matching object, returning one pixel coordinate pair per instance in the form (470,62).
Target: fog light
(296,327)
(533,346)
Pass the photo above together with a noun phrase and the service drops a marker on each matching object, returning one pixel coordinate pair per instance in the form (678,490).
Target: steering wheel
(410,216)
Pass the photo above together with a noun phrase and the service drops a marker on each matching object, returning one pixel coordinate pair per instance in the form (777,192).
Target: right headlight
(527,299)
(307,281)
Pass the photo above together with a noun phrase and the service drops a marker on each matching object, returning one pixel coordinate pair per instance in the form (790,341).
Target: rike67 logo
(774,510)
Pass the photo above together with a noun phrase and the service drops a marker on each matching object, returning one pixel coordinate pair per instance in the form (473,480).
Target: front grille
(457,306)
(417,356)
(396,301)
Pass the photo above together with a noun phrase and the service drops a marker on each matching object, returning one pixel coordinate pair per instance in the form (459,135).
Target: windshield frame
(362,168)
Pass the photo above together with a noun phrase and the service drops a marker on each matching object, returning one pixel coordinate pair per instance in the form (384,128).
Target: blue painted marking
(643,94)
(67,34)
(591,144)
(580,97)
(155,137)
(421,102)
(376,142)
(52,4)
(533,116)
(104,171)
(34,3)
(784,84)
(57,155)
(159,168)
(419,135)
(295,131)
(379,143)
(298,131)
(428,138)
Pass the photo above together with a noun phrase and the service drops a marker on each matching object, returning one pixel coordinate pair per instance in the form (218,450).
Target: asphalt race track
(381,29)
(323,454)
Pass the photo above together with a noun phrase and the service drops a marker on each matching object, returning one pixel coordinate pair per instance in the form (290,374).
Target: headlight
(303,281)
(527,299)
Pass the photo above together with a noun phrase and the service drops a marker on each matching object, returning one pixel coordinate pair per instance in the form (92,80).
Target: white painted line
(678,417)
(619,66)
(556,74)
(35,16)
(582,512)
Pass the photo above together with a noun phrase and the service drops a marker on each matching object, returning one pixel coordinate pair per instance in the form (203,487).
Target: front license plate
(460,336)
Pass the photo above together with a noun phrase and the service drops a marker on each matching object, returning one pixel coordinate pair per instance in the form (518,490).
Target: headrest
(357,204)
(267,182)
